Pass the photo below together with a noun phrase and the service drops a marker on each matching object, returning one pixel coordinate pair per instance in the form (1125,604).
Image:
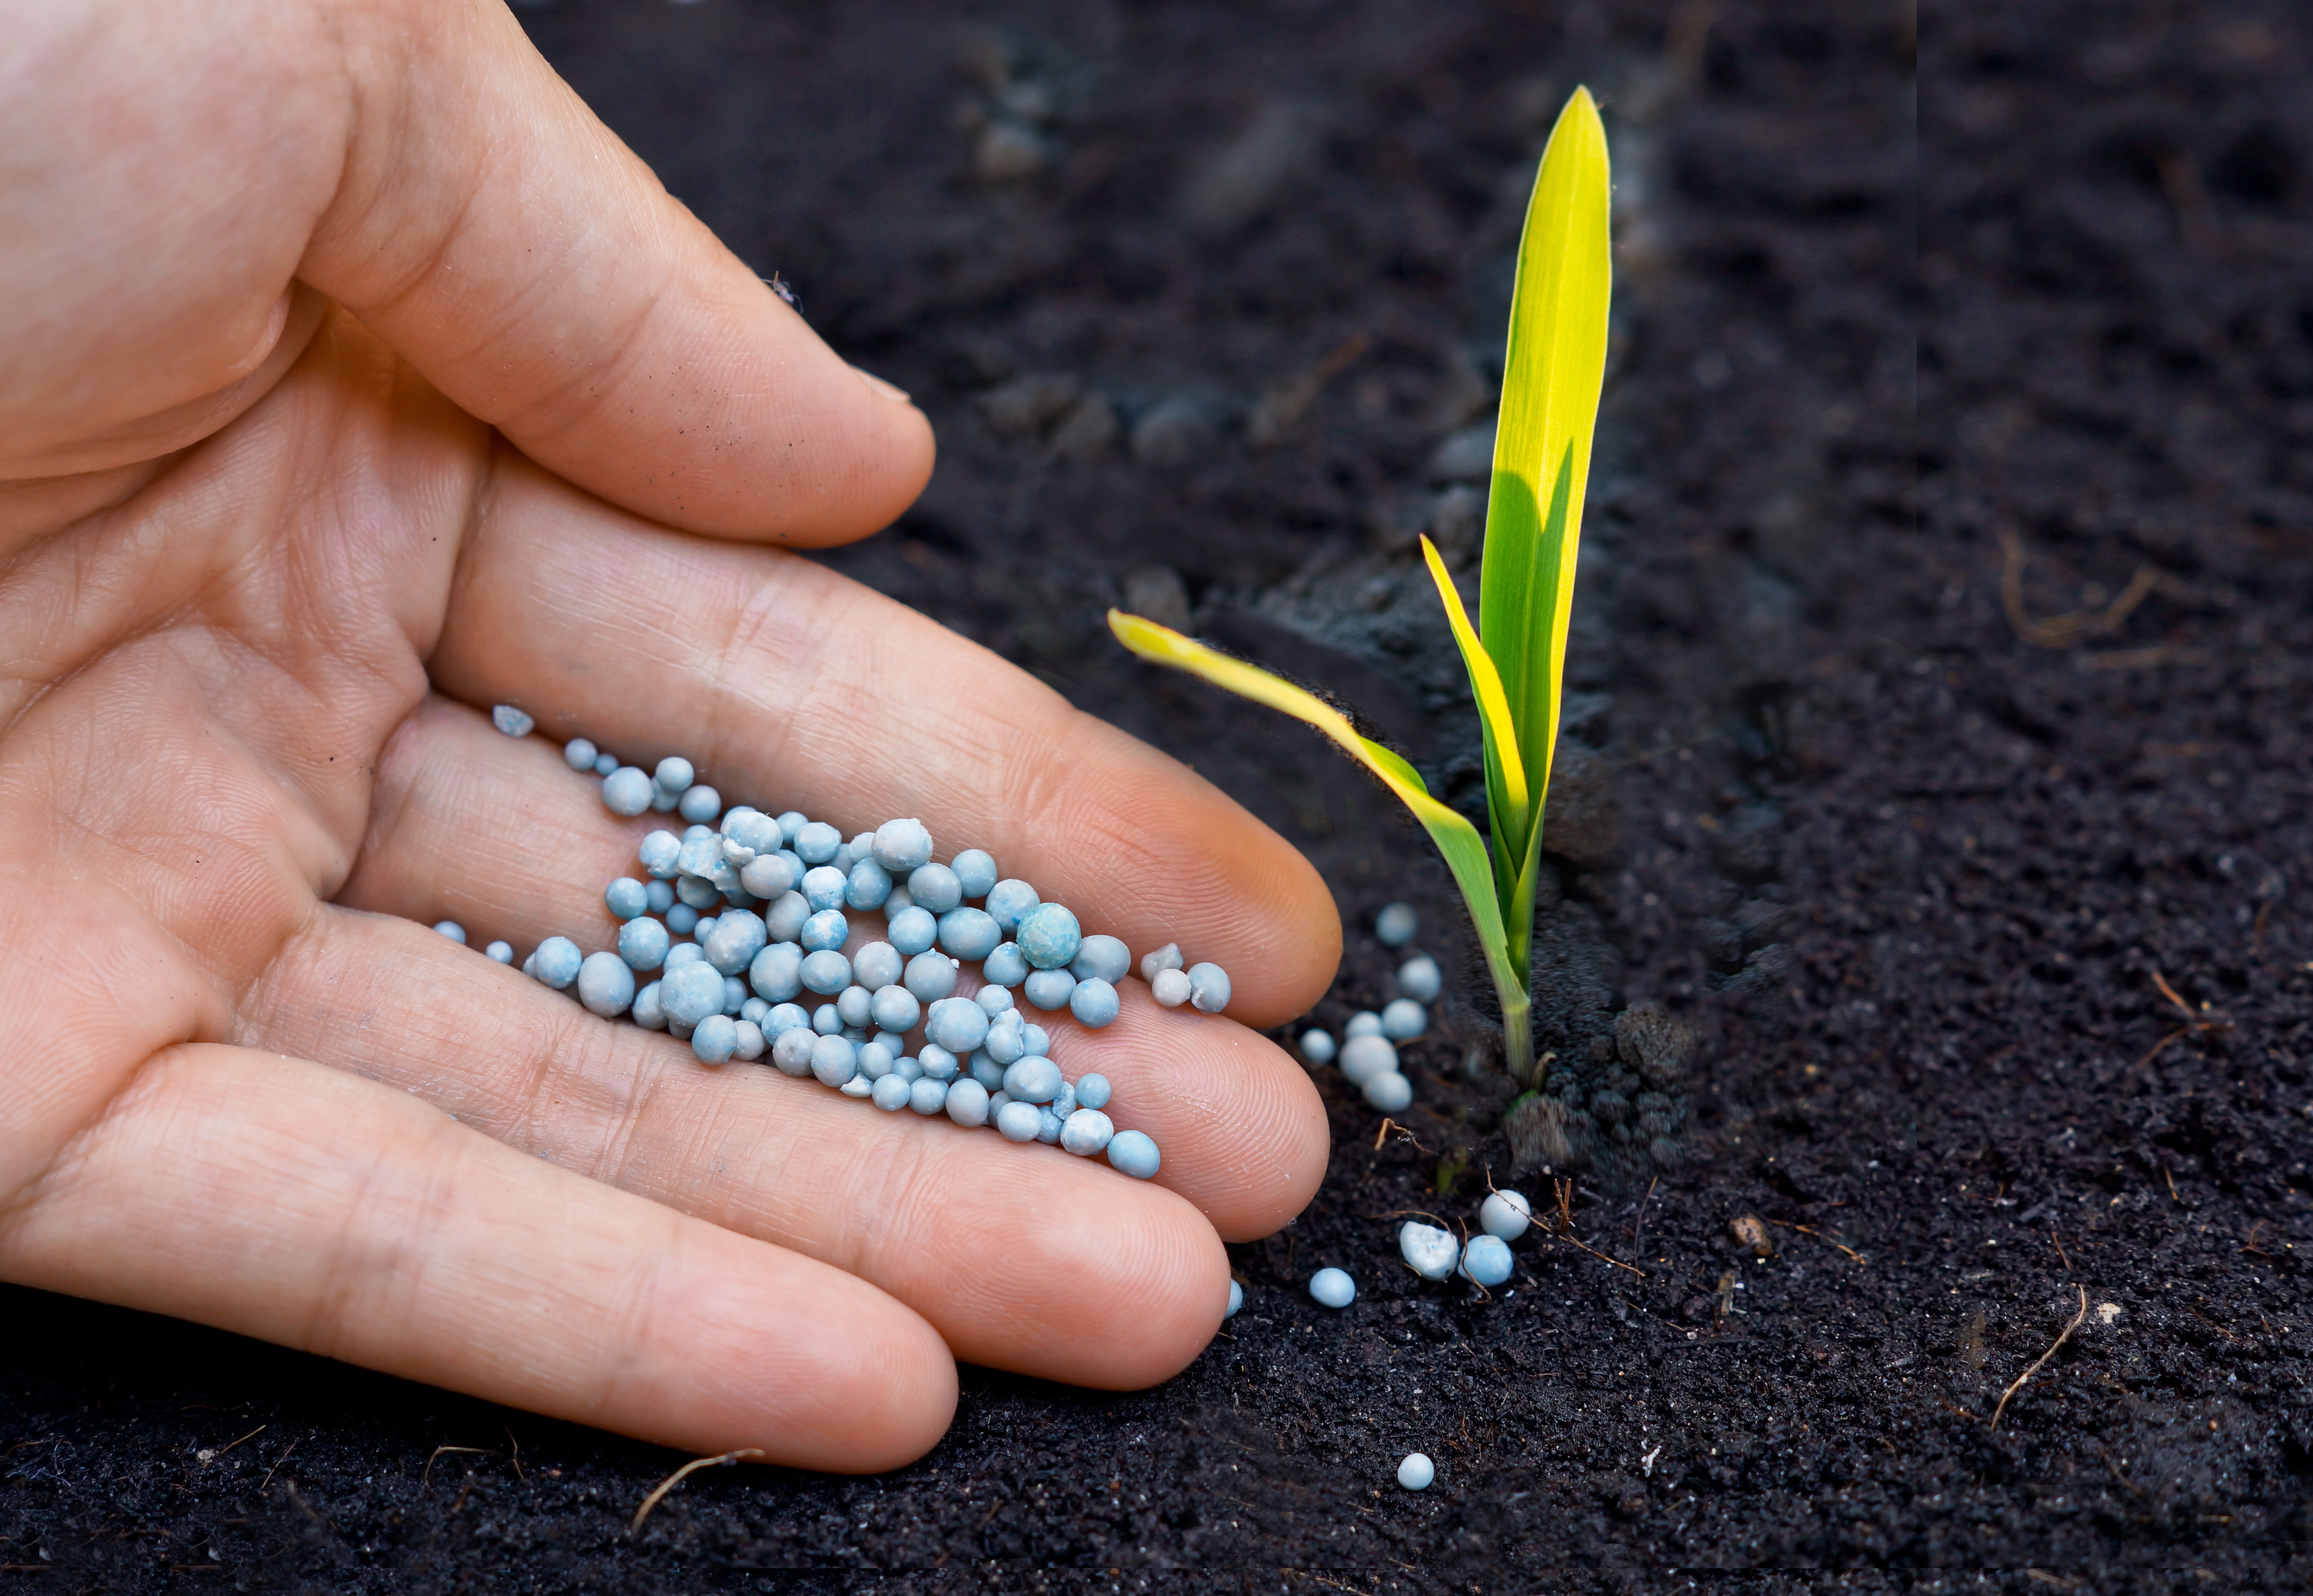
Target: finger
(1025,1258)
(308,1207)
(789,685)
(493,231)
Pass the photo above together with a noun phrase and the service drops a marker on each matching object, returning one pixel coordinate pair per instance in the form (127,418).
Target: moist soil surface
(1938,761)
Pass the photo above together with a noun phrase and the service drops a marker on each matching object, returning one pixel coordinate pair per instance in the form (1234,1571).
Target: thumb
(513,249)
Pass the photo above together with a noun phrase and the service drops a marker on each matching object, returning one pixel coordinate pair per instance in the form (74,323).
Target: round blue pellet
(1487,1260)
(1094,1003)
(451,930)
(1008,1038)
(1394,926)
(932,1060)
(894,1007)
(1333,1288)
(674,773)
(698,893)
(968,933)
(975,872)
(826,929)
(646,1012)
(579,754)
(826,972)
(1009,900)
(753,1010)
(1049,935)
(660,896)
(1085,1132)
(1019,1122)
(734,993)
(1040,1041)
(784,1018)
(1093,1091)
(903,845)
(683,953)
(512,721)
(1236,1301)
(556,961)
(752,1042)
(737,937)
(890,1092)
(791,824)
(1417,1471)
(927,1097)
(606,984)
(1317,1046)
(783,922)
(930,975)
(967,1102)
(913,930)
(875,1059)
(822,887)
(660,855)
(1064,1101)
(1048,1124)
(777,974)
(987,1071)
(895,900)
(935,887)
(993,1001)
(1032,1080)
(956,1024)
(627,791)
(699,805)
(1404,1019)
(715,1039)
(867,887)
(503,952)
(1419,978)
(1048,988)
(626,898)
(643,943)
(1004,965)
(1134,1153)
(690,992)
(604,764)
(1100,959)
(1209,988)
(791,1050)
(752,829)
(814,843)
(834,1060)
(855,1004)
(876,967)
(826,1021)
(769,876)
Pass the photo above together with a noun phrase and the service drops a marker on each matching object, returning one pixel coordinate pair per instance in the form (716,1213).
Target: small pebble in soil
(1505,1215)
(1171,987)
(1134,1153)
(1209,988)
(1317,1046)
(1236,1301)
(1403,1020)
(1416,1472)
(512,721)
(1487,1260)
(1394,926)
(1430,1252)
(451,930)
(1333,1288)
(1418,978)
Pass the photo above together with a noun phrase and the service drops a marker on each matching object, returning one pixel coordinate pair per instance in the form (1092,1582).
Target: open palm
(368,379)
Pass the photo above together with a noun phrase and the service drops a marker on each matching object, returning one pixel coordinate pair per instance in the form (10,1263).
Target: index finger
(789,685)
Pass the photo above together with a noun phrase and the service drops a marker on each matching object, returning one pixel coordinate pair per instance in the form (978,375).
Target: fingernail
(886,389)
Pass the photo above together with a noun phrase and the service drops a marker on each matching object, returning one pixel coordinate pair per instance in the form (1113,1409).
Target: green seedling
(1552,372)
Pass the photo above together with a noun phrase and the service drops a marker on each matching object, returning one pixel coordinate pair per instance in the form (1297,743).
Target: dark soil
(1987,911)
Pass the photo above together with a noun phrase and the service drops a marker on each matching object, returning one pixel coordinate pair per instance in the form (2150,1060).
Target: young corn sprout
(1516,655)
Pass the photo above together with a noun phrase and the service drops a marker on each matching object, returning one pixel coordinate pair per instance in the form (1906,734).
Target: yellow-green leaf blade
(1506,791)
(1457,839)
(1554,367)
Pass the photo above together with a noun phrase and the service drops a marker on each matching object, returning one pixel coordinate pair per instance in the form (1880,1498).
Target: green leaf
(1506,795)
(1457,839)
(1555,363)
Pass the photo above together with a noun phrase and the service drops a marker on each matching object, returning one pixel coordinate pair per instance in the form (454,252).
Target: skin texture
(357,379)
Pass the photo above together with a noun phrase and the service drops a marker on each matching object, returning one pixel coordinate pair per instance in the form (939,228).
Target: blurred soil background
(1936,768)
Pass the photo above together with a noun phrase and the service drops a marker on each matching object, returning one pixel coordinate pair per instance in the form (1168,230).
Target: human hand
(356,376)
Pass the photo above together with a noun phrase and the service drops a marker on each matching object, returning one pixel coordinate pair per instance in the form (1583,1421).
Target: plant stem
(1518,1032)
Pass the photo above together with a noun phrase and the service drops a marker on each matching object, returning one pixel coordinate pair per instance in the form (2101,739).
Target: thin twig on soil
(284,1458)
(426,1477)
(2070,630)
(2045,1356)
(683,1473)
(229,1445)
(1566,1232)
(2059,1248)
(1819,1236)
(1640,1218)
(1389,1124)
